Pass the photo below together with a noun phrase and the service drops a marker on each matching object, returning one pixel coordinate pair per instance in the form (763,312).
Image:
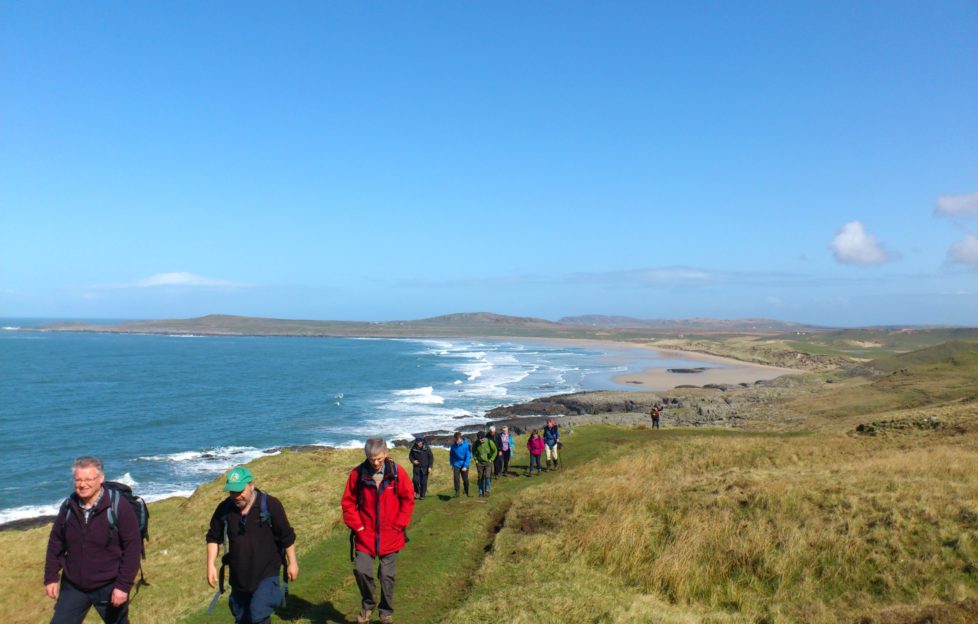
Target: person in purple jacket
(96,561)
(535,446)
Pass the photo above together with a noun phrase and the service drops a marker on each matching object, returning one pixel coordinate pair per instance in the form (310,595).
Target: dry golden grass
(743,529)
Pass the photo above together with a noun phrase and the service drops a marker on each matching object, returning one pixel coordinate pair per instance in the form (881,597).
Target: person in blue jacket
(551,438)
(460,456)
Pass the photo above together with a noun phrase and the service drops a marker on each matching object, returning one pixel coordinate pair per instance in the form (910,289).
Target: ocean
(167,413)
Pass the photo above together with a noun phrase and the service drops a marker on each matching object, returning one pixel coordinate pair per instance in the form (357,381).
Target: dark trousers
(420,481)
(457,473)
(257,607)
(534,461)
(363,572)
(73,604)
(485,476)
(497,464)
(505,455)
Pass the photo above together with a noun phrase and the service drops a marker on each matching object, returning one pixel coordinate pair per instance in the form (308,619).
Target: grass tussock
(751,528)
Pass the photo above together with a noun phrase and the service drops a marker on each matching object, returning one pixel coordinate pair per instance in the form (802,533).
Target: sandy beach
(727,371)
(719,370)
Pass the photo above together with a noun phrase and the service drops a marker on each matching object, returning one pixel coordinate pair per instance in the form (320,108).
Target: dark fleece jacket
(91,554)
(422,454)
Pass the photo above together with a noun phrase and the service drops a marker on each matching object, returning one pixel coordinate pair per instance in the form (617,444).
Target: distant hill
(694,324)
(947,357)
(450,325)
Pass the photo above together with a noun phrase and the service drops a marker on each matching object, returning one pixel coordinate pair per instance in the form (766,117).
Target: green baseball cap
(238,479)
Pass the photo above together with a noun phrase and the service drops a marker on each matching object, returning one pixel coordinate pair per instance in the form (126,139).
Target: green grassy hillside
(828,523)
(650,526)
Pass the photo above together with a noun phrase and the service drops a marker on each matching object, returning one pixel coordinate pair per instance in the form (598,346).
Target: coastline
(656,379)
(729,371)
(645,381)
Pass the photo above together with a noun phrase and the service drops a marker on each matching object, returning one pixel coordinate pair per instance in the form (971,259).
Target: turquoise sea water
(168,413)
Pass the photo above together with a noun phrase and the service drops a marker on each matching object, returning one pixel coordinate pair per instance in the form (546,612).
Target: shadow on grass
(298,607)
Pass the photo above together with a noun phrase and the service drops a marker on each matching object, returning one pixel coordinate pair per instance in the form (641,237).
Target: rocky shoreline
(710,405)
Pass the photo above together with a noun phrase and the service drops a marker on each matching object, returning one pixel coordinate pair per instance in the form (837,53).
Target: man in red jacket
(97,561)
(377,506)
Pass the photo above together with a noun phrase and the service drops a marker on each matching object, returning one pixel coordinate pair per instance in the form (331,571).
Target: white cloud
(176,280)
(854,245)
(954,205)
(965,251)
(179,279)
(674,274)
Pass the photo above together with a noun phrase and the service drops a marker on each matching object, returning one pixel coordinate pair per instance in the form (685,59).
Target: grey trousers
(364,575)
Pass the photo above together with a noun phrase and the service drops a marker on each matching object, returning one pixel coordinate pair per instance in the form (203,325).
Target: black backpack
(264,519)
(118,492)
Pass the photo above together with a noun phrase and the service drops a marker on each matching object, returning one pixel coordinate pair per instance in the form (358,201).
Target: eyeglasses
(86,481)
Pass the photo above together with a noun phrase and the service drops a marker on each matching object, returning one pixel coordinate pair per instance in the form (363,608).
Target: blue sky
(814,162)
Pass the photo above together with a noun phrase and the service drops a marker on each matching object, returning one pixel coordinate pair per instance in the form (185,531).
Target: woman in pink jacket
(535,445)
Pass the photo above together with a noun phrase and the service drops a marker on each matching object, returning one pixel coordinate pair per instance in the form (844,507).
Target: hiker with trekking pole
(257,541)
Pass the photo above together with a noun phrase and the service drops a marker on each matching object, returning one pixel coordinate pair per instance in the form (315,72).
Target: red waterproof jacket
(384,512)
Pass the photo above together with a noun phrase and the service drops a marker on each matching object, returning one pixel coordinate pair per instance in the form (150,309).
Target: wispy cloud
(854,245)
(957,205)
(177,279)
(965,251)
(674,276)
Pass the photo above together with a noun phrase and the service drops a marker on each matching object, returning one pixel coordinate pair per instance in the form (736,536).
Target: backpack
(265,517)
(388,463)
(118,492)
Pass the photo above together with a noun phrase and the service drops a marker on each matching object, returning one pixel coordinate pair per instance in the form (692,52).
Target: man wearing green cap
(258,540)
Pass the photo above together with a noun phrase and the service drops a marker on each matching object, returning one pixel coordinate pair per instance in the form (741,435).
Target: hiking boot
(387,619)
(364,617)
(456,495)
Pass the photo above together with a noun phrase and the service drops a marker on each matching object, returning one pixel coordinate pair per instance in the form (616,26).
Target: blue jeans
(534,461)
(73,604)
(257,607)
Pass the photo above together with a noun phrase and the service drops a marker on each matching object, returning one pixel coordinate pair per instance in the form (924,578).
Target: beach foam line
(211,461)
(28,511)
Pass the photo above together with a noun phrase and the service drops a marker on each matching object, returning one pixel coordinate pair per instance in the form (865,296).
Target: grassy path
(449,539)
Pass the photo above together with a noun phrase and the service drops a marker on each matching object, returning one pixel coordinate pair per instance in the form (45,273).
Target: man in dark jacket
(497,439)
(422,459)
(97,559)
(377,505)
(259,539)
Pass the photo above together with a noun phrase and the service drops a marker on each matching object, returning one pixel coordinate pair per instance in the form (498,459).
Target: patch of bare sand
(732,372)
(722,370)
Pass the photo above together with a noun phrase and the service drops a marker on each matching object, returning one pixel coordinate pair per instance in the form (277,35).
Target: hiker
(377,505)
(551,438)
(506,449)
(534,445)
(459,456)
(497,439)
(97,556)
(484,453)
(258,540)
(654,412)
(422,459)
